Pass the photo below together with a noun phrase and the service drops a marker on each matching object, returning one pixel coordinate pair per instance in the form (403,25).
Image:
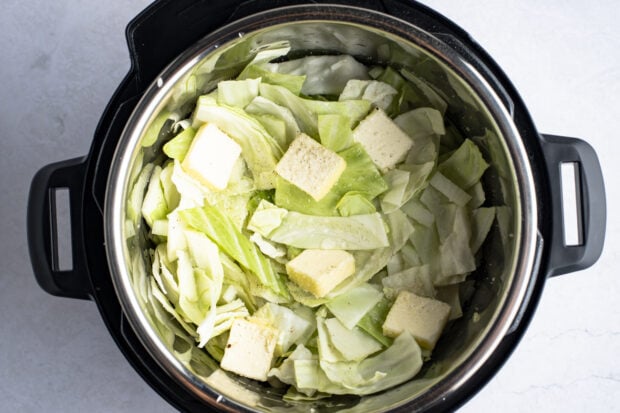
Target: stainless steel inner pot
(509,257)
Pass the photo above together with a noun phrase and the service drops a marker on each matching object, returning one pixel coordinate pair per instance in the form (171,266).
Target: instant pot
(173,41)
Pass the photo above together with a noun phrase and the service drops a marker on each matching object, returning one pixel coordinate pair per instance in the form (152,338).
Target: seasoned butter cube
(211,157)
(310,166)
(424,318)
(250,349)
(319,271)
(383,140)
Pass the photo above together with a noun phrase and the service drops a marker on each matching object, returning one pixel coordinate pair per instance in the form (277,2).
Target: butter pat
(310,166)
(383,140)
(211,157)
(424,318)
(319,271)
(250,349)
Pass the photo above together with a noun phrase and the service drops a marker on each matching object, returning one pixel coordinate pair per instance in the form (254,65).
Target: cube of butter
(310,166)
(319,271)
(211,157)
(250,349)
(424,318)
(383,140)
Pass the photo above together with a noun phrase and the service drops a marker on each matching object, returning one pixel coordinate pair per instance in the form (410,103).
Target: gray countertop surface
(61,62)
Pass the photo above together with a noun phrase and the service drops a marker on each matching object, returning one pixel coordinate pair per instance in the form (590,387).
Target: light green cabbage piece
(266,218)
(177,147)
(397,364)
(293,83)
(425,126)
(372,322)
(482,219)
(270,249)
(424,94)
(171,194)
(449,189)
(237,93)
(418,212)
(205,256)
(421,123)
(264,107)
(306,111)
(455,254)
(136,195)
(400,229)
(237,278)
(139,277)
(404,183)
(226,314)
(394,79)
(265,52)
(157,127)
(193,290)
(357,232)
(450,294)
(156,270)
(325,75)
(163,273)
(409,254)
(292,328)
(425,241)
(154,206)
(275,127)
(417,280)
(353,344)
(227,236)
(394,265)
(380,94)
(478,196)
(325,348)
(192,193)
(465,166)
(288,371)
(335,132)
(157,294)
(355,203)
(394,197)
(349,308)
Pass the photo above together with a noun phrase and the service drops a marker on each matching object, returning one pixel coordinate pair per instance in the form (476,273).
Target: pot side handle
(42,229)
(591,206)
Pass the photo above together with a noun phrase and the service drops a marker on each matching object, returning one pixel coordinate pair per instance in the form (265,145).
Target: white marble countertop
(61,61)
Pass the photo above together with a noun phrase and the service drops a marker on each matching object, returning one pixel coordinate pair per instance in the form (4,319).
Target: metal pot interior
(494,291)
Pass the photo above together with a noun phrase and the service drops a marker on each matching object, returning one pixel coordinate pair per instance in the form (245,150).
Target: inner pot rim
(151,102)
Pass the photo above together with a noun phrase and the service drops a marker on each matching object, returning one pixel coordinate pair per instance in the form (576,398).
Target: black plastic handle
(42,234)
(591,204)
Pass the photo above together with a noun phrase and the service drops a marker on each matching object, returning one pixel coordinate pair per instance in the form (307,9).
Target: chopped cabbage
(220,255)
